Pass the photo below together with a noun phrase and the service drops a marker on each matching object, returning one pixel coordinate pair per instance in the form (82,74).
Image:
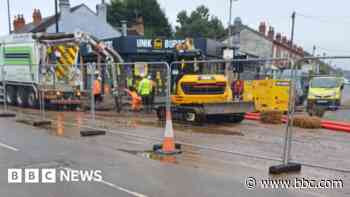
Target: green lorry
(47,65)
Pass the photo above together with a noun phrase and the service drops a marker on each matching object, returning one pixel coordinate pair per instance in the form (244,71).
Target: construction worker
(97,89)
(153,92)
(237,89)
(145,90)
(135,99)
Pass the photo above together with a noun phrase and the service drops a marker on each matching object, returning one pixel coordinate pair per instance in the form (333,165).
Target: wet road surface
(124,174)
(225,151)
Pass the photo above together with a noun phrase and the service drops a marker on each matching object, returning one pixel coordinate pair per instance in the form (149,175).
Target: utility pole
(230,44)
(9,15)
(293,26)
(56,16)
(230,25)
(316,64)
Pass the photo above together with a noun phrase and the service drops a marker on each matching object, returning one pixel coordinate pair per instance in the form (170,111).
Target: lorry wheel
(21,97)
(190,116)
(32,100)
(11,95)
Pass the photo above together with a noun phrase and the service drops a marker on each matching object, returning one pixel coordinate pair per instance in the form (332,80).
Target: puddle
(214,129)
(153,156)
(111,119)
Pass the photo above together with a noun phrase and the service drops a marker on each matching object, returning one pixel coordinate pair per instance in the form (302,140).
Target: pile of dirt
(271,117)
(307,122)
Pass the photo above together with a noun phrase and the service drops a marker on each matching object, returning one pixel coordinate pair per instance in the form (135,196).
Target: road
(344,113)
(124,174)
(216,160)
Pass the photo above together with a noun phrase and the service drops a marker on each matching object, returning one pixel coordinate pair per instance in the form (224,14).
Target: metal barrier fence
(245,79)
(137,78)
(3,94)
(3,89)
(122,76)
(289,138)
(208,72)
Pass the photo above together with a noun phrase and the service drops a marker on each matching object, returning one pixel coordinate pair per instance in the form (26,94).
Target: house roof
(241,27)
(47,21)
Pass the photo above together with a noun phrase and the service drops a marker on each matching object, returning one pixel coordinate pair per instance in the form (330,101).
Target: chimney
(15,24)
(64,6)
(300,50)
(262,28)
(101,10)
(18,23)
(271,33)
(37,17)
(279,37)
(139,26)
(284,40)
(124,28)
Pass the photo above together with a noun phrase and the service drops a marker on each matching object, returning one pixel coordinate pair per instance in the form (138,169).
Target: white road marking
(8,147)
(114,186)
(122,189)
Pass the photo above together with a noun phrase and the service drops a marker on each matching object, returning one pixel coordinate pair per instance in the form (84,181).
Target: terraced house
(70,19)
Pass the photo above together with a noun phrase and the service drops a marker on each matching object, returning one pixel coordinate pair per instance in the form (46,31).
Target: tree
(155,21)
(199,24)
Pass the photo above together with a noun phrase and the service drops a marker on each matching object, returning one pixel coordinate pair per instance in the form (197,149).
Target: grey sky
(327,29)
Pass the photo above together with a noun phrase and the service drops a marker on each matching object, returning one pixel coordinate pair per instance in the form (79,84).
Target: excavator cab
(201,91)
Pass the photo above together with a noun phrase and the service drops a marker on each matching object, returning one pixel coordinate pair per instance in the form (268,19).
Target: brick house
(263,43)
(70,19)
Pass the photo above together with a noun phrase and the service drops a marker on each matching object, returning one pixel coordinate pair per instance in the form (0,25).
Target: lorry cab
(325,91)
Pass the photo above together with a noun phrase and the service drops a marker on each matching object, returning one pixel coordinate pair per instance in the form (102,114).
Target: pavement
(128,170)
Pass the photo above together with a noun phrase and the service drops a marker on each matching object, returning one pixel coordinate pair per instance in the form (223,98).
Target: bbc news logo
(52,175)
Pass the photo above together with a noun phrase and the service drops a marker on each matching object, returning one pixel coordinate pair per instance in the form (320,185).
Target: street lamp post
(9,15)
(56,16)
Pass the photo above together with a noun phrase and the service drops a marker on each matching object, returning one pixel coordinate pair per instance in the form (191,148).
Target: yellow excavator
(201,91)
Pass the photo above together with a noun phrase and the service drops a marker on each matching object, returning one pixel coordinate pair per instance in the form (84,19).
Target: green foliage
(199,24)
(155,21)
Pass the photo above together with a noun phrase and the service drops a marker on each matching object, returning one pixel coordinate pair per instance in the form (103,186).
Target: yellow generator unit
(267,94)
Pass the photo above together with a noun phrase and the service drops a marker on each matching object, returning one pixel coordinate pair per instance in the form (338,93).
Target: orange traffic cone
(168,147)
(168,142)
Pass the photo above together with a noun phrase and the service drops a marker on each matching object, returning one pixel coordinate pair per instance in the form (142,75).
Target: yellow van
(325,91)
